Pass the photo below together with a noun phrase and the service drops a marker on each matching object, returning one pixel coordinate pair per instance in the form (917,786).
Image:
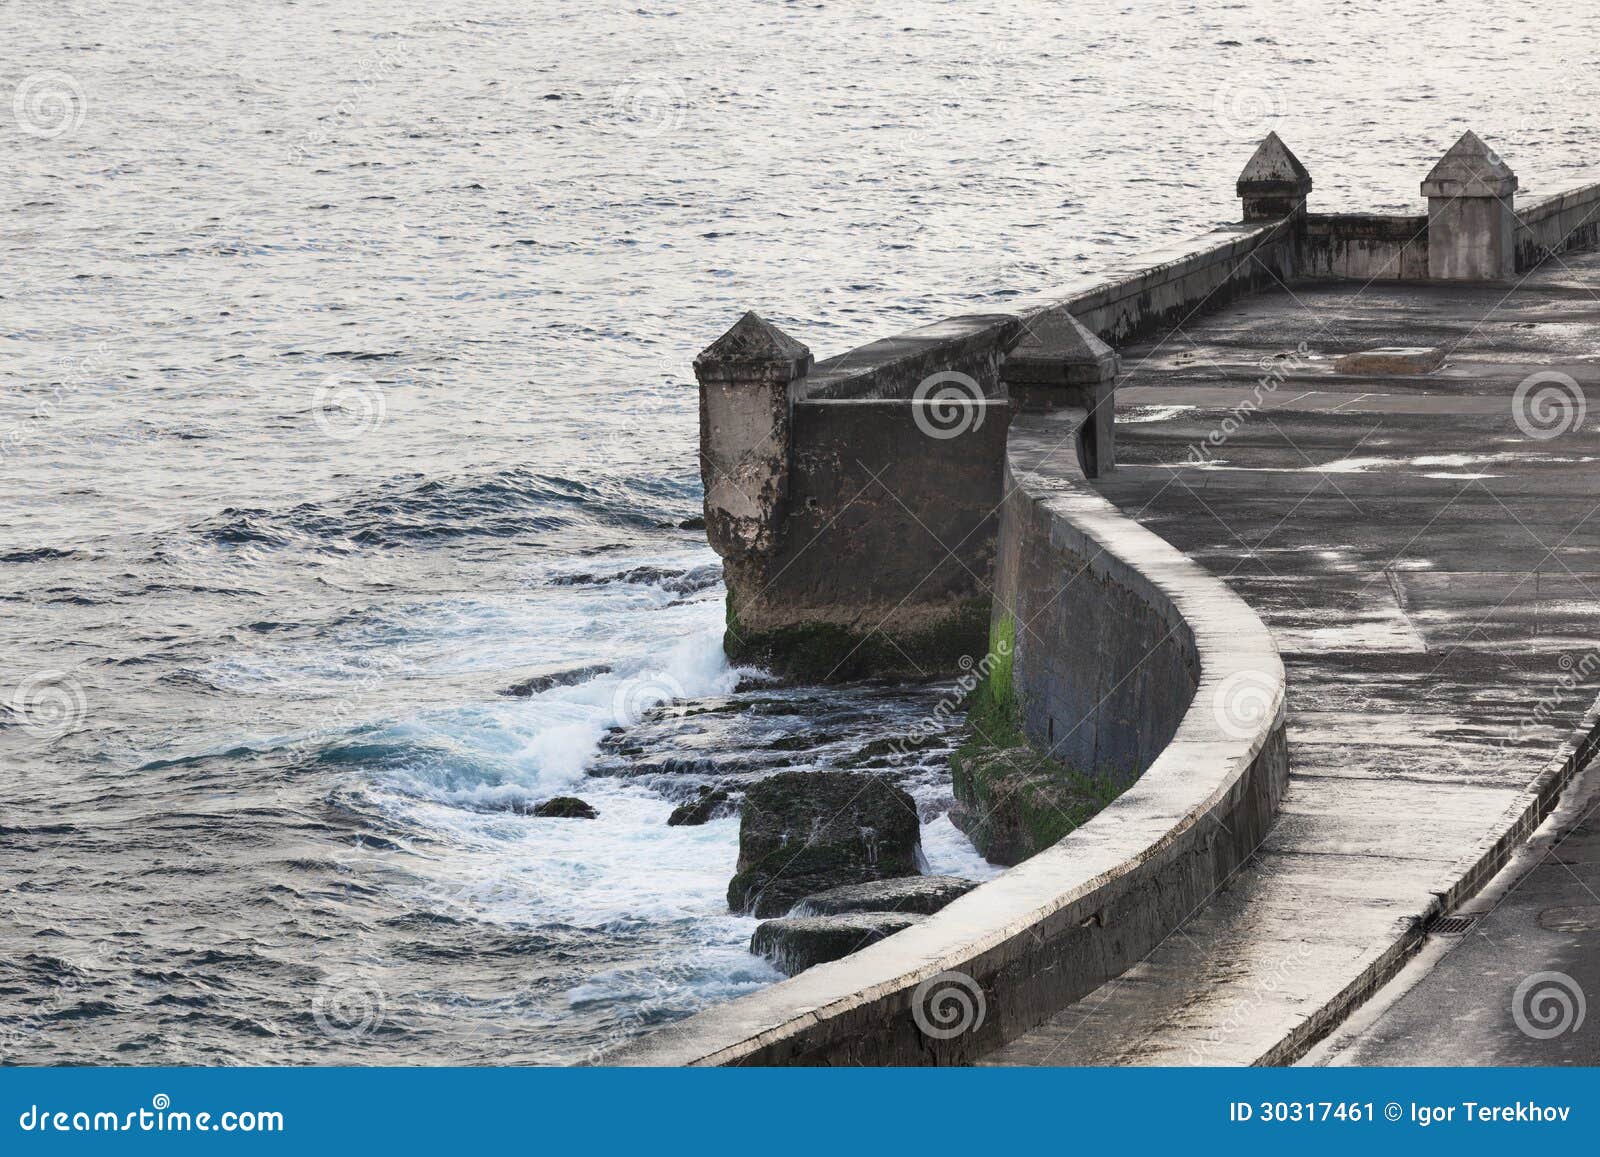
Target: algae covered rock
(534,684)
(803,832)
(565,807)
(923,895)
(795,943)
(1015,802)
(711,805)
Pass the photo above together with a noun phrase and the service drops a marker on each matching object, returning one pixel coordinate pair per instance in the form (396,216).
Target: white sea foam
(949,852)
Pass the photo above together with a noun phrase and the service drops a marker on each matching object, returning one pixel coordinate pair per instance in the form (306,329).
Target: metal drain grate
(1452,925)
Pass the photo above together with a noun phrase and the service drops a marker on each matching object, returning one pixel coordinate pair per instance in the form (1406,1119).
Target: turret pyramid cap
(1470,169)
(753,350)
(1058,350)
(1273,169)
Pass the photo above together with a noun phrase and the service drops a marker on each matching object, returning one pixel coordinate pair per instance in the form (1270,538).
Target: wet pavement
(1426,551)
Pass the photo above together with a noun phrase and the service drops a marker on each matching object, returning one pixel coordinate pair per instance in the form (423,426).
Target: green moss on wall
(992,708)
(1015,800)
(830,653)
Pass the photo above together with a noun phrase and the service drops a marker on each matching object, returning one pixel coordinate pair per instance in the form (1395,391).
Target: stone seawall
(871,481)
(1010,953)
(1364,247)
(887,544)
(790,492)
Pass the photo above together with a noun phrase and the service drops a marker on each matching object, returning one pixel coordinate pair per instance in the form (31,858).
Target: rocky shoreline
(832,787)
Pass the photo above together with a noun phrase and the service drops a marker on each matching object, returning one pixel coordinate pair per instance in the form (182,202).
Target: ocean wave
(679,582)
(513,503)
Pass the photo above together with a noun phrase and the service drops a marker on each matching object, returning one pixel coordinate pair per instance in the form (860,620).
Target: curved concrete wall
(1104,667)
(1055,927)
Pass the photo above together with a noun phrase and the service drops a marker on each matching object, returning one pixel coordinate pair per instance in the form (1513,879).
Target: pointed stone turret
(1471,227)
(1470,169)
(744,378)
(753,346)
(1060,363)
(1274,182)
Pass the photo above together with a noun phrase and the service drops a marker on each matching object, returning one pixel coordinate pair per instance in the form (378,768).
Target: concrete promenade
(1429,566)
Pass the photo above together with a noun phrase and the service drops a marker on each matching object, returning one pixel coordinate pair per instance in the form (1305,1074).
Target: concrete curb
(1521,819)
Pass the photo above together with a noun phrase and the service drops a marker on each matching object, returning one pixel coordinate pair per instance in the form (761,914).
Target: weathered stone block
(1058,364)
(882,564)
(803,832)
(1274,182)
(745,443)
(794,944)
